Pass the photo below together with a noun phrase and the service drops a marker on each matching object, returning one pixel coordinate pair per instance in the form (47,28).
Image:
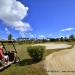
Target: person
(2,56)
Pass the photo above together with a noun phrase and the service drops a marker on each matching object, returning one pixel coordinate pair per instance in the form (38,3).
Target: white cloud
(67,35)
(23,34)
(61,36)
(41,36)
(32,35)
(67,29)
(7,31)
(12,12)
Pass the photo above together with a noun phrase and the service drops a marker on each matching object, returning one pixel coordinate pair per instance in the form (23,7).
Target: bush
(36,52)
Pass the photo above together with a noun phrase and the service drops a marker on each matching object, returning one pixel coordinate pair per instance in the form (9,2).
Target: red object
(1,53)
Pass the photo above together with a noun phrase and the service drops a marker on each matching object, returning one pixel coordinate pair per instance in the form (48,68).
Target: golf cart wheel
(17,59)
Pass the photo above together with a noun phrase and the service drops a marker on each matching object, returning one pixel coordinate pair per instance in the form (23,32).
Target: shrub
(36,52)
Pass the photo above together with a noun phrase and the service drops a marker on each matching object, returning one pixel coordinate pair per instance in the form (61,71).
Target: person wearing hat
(2,56)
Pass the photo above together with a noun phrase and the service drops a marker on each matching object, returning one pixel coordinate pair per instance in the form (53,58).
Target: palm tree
(10,37)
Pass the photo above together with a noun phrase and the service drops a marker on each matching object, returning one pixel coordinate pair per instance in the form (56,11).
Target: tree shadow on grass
(26,62)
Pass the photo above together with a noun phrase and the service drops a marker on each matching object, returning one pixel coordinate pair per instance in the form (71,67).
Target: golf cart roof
(6,41)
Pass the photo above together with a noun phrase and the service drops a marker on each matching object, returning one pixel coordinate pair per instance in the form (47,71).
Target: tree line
(21,40)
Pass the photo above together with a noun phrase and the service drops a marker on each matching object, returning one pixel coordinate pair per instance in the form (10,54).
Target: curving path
(61,63)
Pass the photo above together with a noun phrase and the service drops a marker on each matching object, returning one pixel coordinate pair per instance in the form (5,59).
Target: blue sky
(37,18)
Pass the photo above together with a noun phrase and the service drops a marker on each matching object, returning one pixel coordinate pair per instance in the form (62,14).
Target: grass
(27,66)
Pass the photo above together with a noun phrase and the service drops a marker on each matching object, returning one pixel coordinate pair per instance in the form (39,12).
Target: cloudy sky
(37,18)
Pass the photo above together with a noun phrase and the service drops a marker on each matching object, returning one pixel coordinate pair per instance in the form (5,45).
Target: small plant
(36,52)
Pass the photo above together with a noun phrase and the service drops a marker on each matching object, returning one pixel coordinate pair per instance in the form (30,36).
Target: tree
(71,37)
(44,40)
(62,39)
(10,37)
(66,39)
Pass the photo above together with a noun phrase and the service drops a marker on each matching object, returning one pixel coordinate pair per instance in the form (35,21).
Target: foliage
(36,52)
(23,40)
(44,40)
(9,37)
(71,37)
(53,39)
(62,39)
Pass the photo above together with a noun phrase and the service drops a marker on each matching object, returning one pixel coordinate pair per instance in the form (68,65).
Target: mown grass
(27,66)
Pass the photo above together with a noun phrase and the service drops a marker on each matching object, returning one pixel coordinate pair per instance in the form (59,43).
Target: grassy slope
(26,66)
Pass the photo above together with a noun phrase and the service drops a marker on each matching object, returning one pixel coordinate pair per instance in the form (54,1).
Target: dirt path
(61,63)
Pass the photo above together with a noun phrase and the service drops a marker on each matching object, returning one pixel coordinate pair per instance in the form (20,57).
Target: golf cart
(13,58)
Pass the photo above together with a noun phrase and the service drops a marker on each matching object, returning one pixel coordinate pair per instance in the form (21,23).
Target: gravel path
(61,62)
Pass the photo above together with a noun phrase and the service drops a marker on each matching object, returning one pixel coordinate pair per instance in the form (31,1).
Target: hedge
(36,52)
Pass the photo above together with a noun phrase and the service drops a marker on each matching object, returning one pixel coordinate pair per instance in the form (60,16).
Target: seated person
(2,56)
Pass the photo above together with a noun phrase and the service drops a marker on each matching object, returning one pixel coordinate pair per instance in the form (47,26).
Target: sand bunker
(61,62)
(53,45)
